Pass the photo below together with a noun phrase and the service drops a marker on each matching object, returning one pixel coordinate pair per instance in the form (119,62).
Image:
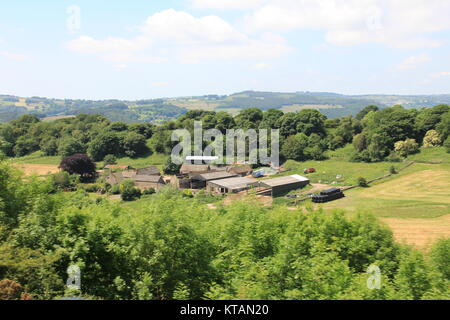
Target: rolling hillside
(159,110)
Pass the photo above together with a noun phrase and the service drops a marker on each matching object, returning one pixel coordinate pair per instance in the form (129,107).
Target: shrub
(407,147)
(130,194)
(362,182)
(149,191)
(187,193)
(92,187)
(109,160)
(115,189)
(432,139)
(447,145)
(64,180)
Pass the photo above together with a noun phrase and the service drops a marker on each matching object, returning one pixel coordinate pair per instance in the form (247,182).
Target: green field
(37,158)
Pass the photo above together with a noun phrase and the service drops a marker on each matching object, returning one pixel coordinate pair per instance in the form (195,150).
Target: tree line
(376,134)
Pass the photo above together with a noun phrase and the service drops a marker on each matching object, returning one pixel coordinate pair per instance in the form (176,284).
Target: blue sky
(148,49)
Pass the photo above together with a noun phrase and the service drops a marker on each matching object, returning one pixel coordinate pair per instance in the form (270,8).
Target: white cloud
(437,75)
(226,4)
(413,62)
(160,84)
(261,66)
(399,23)
(178,35)
(14,56)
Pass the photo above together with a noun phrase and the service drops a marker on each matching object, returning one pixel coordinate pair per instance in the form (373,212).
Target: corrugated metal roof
(213,176)
(233,183)
(284,181)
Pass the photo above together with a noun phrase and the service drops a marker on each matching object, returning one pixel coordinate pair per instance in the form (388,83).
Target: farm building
(241,171)
(283,185)
(199,180)
(190,169)
(146,182)
(149,171)
(231,185)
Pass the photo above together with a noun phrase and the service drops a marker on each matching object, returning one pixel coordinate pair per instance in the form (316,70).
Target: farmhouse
(199,181)
(148,182)
(283,185)
(231,185)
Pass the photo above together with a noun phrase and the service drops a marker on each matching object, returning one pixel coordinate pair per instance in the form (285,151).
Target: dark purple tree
(79,164)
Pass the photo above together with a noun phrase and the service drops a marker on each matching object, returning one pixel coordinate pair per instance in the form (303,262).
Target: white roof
(300,178)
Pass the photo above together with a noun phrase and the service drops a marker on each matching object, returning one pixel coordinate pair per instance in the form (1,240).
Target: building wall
(283,189)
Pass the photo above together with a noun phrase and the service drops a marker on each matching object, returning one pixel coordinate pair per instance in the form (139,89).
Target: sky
(141,49)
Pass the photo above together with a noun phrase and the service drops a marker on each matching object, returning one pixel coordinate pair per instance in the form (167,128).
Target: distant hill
(333,105)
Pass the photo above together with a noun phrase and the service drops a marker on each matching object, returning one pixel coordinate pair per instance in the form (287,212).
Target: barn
(148,182)
(231,185)
(283,185)
(199,181)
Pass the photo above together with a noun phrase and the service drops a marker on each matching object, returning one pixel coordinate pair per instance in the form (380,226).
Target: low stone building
(283,185)
(231,185)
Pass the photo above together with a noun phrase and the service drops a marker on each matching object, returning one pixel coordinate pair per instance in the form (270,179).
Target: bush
(187,193)
(407,147)
(130,194)
(393,157)
(149,191)
(109,159)
(64,180)
(115,189)
(432,139)
(362,182)
(92,187)
(447,145)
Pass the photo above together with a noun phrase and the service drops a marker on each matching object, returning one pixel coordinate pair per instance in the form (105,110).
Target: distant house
(148,171)
(231,185)
(115,178)
(147,182)
(241,171)
(118,167)
(141,181)
(191,169)
(199,181)
(283,185)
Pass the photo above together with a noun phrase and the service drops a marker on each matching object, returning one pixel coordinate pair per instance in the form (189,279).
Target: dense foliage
(168,246)
(376,134)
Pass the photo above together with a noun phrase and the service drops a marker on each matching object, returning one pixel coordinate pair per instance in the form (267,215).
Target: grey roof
(234,183)
(152,179)
(240,169)
(213,176)
(150,170)
(275,182)
(194,168)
